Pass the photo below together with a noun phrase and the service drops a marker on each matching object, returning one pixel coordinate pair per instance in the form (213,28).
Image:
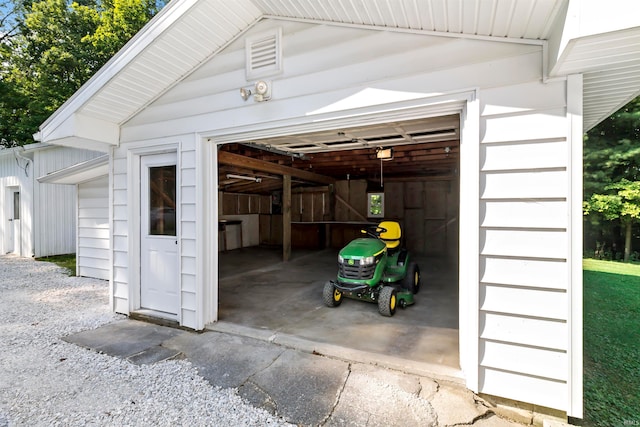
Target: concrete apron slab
(135,341)
(298,384)
(348,354)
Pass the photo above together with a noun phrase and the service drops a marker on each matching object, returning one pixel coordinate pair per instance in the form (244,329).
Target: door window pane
(16,205)
(162,200)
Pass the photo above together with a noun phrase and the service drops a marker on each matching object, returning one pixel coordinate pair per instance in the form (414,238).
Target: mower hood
(362,248)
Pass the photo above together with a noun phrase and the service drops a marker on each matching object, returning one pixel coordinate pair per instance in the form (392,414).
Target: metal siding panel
(533,126)
(539,391)
(536,155)
(188,248)
(188,319)
(524,214)
(531,96)
(549,304)
(527,360)
(524,219)
(121,305)
(55,204)
(533,184)
(96,273)
(188,283)
(93,243)
(524,330)
(93,228)
(524,243)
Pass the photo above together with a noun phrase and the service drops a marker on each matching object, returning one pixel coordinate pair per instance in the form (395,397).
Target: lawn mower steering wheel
(374,231)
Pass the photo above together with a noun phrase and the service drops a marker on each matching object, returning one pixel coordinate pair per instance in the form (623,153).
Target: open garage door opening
(287,205)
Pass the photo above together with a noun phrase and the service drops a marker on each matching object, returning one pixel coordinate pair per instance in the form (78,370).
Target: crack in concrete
(338,396)
(268,399)
(483,416)
(435,413)
(249,381)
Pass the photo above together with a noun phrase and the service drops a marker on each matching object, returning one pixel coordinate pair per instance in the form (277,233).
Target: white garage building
(525,80)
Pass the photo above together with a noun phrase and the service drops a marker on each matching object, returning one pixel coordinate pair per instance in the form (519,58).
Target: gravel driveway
(47,381)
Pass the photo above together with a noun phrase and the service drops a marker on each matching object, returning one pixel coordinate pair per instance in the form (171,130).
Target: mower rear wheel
(411,281)
(331,295)
(387,301)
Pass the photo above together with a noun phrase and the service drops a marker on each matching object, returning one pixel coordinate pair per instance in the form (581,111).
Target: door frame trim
(134,201)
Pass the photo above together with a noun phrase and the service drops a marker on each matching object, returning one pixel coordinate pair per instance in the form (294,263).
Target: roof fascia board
(78,173)
(535,42)
(82,143)
(173,11)
(83,127)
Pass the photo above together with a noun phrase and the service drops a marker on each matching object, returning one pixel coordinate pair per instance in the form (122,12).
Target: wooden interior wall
(428,212)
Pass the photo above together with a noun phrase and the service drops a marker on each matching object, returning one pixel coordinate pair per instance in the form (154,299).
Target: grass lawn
(67,261)
(611,343)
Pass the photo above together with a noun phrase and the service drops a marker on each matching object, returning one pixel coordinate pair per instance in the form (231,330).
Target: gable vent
(264,54)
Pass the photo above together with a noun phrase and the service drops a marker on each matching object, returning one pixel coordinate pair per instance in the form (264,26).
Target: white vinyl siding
(55,204)
(122,226)
(93,229)
(524,244)
(188,232)
(120,232)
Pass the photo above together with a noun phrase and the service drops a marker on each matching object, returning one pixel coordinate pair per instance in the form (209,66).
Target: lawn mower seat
(392,236)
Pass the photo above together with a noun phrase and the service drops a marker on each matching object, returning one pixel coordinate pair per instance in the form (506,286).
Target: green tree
(612,149)
(120,20)
(622,204)
(60,45)
(611,155)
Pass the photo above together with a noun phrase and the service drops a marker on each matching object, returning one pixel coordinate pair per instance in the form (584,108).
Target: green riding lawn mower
(375,269)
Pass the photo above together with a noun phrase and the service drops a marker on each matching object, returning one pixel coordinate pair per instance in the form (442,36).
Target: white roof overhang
(78,173)
(187,33)
(601,40)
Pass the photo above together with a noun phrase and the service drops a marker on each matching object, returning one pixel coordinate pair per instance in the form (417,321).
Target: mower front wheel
(331,295)
(387,301)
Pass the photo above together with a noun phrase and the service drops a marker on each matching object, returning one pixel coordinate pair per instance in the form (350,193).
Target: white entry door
(159,285)
(14,234)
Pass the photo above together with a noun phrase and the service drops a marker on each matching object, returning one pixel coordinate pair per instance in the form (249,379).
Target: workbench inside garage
(325,234)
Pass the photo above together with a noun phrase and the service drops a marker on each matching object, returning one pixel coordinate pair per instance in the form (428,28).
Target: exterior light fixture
(245,93)
(261,91)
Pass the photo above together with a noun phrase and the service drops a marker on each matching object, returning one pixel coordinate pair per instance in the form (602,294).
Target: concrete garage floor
(260,295)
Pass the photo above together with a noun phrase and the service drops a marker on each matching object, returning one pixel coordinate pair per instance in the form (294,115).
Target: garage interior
(288,204)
